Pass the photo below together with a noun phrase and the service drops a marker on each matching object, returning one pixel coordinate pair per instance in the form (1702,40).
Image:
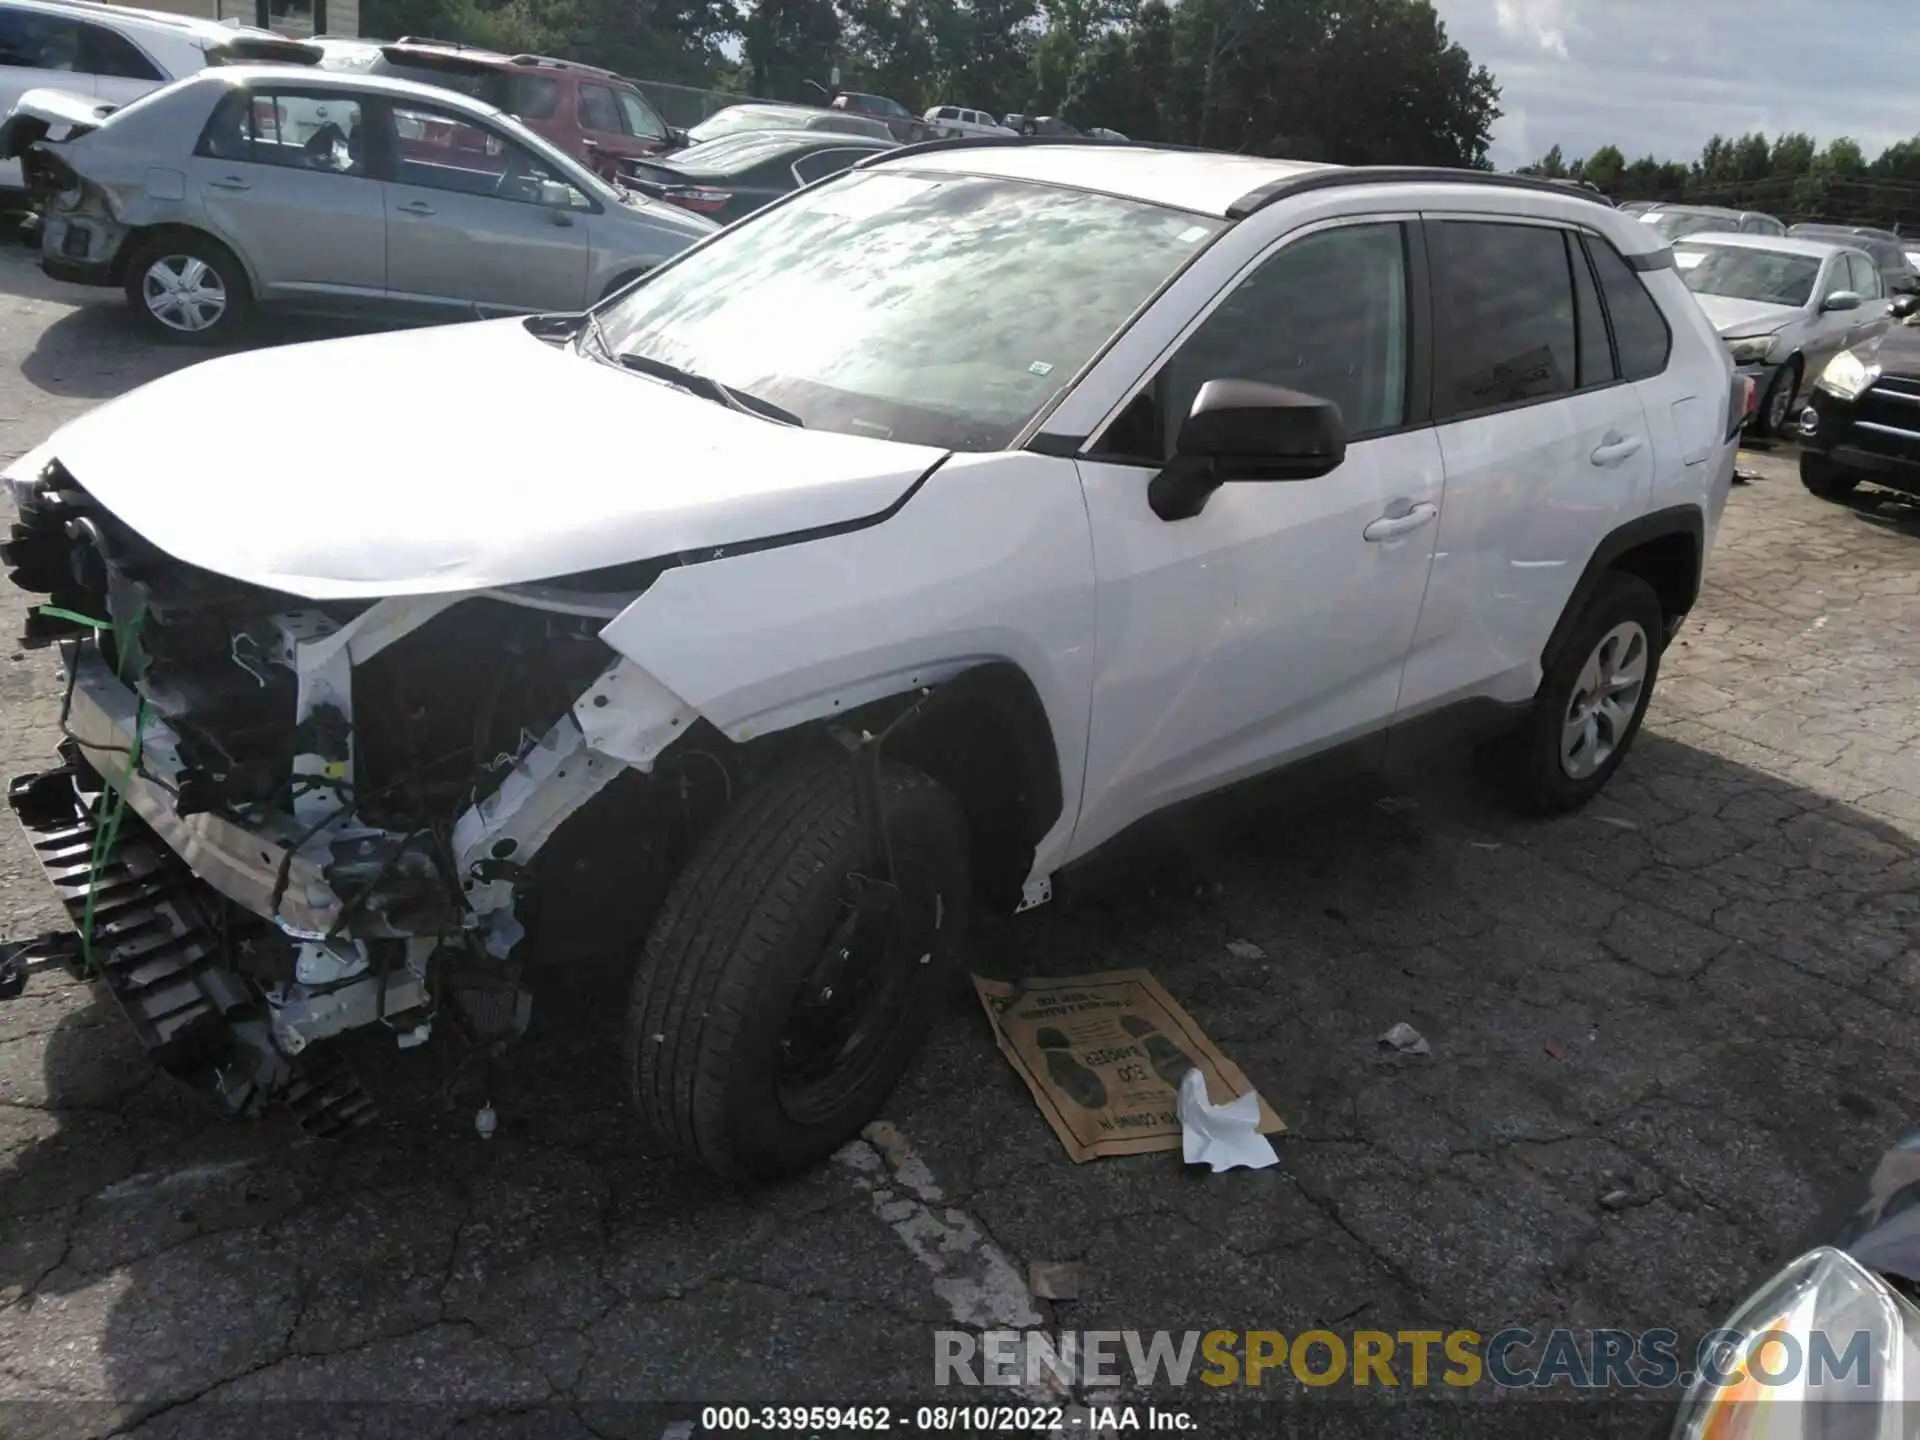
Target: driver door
(1274,625)
(467,231)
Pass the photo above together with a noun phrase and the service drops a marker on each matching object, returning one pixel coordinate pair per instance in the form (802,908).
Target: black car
(1887,249)
(734,176)
(1863,421)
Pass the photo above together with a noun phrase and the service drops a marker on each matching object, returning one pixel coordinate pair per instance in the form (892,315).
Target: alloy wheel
(184,293)
(1605,698)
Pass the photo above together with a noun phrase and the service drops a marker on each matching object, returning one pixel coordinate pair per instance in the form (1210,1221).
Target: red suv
(596,116)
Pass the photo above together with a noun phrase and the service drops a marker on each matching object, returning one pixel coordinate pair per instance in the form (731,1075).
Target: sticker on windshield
(1040,367)
(1193,233)
(870,195)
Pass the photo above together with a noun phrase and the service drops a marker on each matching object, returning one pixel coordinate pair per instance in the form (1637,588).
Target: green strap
(74,615)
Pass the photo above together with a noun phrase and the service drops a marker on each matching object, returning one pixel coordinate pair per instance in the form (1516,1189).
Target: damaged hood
(1731,316)
(62,114)
(457,458)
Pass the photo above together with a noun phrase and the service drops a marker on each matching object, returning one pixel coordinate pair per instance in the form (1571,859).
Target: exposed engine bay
(279,820)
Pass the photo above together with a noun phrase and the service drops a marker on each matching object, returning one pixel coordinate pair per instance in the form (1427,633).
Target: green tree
(791,46)
(1604,166)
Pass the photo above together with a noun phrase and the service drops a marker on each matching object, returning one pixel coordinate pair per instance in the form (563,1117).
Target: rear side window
(1640,334)
(533,97)
(31,40)
(822,163)
(598,110)
(1503,296)
(104,52)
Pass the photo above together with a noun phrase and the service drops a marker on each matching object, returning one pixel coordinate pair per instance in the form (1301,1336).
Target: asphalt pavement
(1662,1032)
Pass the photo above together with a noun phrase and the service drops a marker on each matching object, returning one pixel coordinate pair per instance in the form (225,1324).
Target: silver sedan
(1784,307)
(281,187)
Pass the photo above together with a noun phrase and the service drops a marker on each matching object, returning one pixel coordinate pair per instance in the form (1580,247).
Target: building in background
(286,17)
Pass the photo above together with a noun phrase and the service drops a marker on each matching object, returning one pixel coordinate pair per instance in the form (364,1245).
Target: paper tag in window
(1040,367)
(1193,233)
(870,195)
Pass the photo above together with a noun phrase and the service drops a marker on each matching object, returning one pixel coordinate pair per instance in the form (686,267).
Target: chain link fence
(684,106)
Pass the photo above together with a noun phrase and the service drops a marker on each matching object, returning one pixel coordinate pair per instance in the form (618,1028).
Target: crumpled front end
(281,819)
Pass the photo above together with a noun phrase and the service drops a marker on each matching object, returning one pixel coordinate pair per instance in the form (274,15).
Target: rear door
(1545,444)
(285,177)
(468,231)
(37,50)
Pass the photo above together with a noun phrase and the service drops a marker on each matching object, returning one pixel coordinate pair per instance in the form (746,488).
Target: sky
(1660,77)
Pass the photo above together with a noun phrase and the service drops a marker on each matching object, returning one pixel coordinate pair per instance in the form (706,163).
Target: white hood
(455,458)
(1745,317)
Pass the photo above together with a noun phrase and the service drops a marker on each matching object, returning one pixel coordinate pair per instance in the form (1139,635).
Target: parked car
(957,120)
(113,54)
(1049,125)
(1672,222)
(794,555)
(307,191)
(737,174)
(1784,307)
(901,123)
(736,119)
(1101,132)
(599,118)
(1897,272)
(1862,421)
(1854,1292)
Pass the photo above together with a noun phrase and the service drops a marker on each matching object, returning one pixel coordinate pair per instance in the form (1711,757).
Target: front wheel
(1591,701)
(784,988)
(1776,410)
(188,289)
(1824,478)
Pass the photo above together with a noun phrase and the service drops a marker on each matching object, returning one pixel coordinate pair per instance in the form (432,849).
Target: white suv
(114,53)
(904,546)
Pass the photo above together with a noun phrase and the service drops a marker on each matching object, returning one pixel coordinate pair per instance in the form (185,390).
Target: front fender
(989,561)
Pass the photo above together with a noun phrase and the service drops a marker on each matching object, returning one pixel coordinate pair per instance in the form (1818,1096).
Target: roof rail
(1332,176)
(441,44)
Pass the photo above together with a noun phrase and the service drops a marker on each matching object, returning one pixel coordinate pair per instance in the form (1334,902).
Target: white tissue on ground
(1221,1136)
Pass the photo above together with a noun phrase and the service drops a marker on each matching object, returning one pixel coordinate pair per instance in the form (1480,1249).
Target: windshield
(1772,277)
(942,310)
(1672,224)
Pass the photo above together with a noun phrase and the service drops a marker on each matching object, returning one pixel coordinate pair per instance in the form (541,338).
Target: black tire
(708,1044)
(187,247)
(1785,382)
(1538,781)
(1824,478)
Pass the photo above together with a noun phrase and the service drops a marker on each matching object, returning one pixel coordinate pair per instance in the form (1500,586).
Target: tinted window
(826,162)
(1504,301)
(933,310)
(597,109)
(1590,320)
(32,41)
(533,97)
(1640,335)
(440,151)
(104,52)
(299,131)
(640,118)
(1326,315)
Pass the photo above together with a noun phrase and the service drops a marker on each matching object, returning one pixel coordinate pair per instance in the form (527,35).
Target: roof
(1204,181)
(187,26)
(1779,244)
(350,80)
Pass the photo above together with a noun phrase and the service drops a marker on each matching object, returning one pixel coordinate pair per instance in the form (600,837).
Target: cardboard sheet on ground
(1103,1055)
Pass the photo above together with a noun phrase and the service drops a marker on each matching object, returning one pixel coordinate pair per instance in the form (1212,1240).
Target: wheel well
(1671,565)
(138,240)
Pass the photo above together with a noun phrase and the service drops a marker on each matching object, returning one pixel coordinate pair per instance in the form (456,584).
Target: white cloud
(1542,21)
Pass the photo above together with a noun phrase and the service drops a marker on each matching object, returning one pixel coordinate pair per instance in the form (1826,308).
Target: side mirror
(556,195)
(677,139)
(1244,430)
(1903,306)
(1842,300)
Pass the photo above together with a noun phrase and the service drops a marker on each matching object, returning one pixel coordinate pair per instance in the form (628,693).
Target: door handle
(1392,527)
(417,207)
(1615,448)
(229,182)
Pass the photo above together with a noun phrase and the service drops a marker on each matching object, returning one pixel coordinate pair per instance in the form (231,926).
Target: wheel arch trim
(1678,521)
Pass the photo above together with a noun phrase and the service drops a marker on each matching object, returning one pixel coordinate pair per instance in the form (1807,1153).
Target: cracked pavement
(1664,1031)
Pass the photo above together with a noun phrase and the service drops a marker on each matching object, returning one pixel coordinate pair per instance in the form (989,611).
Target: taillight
(1742,400)
(697,198)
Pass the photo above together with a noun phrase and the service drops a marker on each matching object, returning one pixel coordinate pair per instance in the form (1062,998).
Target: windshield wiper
(708,388)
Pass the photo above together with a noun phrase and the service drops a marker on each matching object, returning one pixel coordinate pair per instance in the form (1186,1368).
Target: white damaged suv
(892,552)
